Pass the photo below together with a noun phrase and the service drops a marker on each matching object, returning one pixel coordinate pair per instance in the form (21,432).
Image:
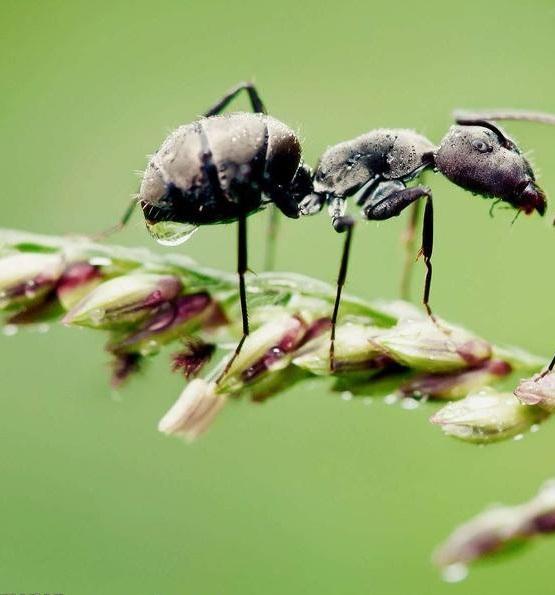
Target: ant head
(482,159)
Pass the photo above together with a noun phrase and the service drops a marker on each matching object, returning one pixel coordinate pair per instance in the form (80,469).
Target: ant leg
(241,270)
(120,225)
(341,223)
(427,248)
(256,102)
(385,205)
(408,246)
(271,237)
(548,370)
(469,118)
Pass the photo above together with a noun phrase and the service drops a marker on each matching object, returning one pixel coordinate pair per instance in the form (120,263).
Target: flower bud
(26,277)
(266,349)
(455,385)
(191,359)
(354,350)
(179,318)
(421,345)
(79,279)
(123,300)
(498,528)
(486,416)
(538,390)
(194,411)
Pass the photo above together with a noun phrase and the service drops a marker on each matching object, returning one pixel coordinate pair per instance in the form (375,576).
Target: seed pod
(194,411)
(538,390)
(487,416)
(25,278)
(264,349)
(498,528)
(354,350)
(421,345)
(122,301)
(455,385)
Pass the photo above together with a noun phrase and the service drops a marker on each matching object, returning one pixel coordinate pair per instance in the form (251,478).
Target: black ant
(222,169)
(377,167)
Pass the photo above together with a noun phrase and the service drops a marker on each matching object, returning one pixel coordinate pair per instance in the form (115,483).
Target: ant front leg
(342,224)
(388,200)
(256,102)
(242,269)
(98,237)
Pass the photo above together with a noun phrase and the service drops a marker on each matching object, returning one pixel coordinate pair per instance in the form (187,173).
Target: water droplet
(390,399)
(9,330)
(535,428)
(31,288)
(42,328)
(409,404)
(97,315)
(346,395)
(454,573)
(100,261)
(150,348)
(170,233)
(518,437)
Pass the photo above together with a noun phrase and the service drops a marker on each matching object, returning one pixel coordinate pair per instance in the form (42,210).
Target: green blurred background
(307,493)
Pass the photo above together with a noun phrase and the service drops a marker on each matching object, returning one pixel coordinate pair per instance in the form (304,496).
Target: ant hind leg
(389,200)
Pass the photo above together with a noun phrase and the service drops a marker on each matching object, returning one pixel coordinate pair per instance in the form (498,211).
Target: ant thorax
(389,154)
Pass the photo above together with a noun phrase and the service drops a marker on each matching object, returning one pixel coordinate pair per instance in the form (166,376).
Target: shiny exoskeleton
(221,169)
(379,166)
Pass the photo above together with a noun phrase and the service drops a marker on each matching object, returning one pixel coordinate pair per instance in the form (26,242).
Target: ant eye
(482,146)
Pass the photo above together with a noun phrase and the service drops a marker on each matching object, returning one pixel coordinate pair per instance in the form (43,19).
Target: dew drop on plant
(535,428)
(409,404)
(9,330)
(346,395)
(97,315)
(30,289)
(150,348)
(454,573)
(100,261)
(518,437)
(170,233)
(390,399)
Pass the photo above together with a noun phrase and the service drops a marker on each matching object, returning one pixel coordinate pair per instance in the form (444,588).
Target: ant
(222,169)
(377,167)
